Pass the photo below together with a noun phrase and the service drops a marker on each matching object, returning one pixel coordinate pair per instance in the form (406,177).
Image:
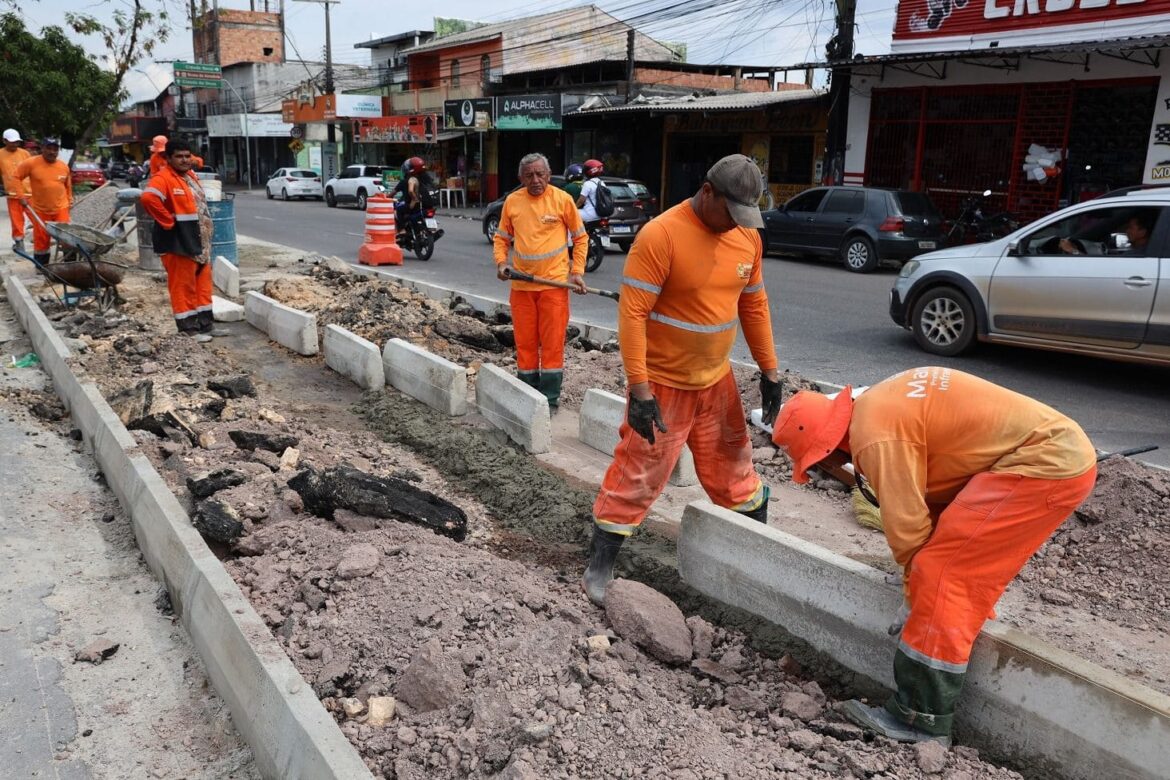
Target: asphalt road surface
(830,325)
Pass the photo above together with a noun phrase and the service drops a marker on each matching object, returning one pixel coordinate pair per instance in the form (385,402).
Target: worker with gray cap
(693,274)
(11,156)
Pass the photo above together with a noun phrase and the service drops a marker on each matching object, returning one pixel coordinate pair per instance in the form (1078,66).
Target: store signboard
(353,106)
(258,126)
(470,114)
(528,112)
(402,129)
(947,25)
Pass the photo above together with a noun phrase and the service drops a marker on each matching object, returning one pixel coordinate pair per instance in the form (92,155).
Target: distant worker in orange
(972,478)
(11,156)
(538,223)
(182,236)
(693,274)
(158,156)
(51,186)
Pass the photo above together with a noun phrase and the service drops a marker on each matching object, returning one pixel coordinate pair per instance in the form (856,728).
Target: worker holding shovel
(538,223)
(972,478)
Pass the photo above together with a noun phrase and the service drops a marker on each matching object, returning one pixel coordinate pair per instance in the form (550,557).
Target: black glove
(644,417)
(771,393)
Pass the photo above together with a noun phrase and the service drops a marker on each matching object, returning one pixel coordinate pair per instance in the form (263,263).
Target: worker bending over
(691,275)
(972,478)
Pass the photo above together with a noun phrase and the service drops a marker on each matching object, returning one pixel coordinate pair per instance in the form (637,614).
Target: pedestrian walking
(16,191)
(538,223)
(692,274)
(51,193)
(182,236)
(971,478)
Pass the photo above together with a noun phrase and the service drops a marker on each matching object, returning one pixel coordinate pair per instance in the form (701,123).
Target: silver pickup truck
(354,185)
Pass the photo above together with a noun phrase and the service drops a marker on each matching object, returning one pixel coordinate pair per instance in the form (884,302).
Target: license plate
(605,242)
(927,244)
(619,228)
(432,224)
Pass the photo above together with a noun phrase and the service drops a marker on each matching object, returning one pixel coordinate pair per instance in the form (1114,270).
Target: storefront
(526,124)
(263,140)
(986,97)
(132,135)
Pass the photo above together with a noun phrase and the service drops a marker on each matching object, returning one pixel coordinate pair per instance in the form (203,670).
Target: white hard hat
(11,135)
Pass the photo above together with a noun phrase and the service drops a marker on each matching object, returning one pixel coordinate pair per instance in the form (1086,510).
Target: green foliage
(51,86)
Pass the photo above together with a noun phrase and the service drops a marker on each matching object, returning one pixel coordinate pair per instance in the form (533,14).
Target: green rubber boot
(603,551)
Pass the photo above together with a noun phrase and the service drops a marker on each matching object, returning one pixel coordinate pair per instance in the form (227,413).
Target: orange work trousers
(41,239)
(539,319)
(18,218)
(979,544)
(711,422)
(189,284)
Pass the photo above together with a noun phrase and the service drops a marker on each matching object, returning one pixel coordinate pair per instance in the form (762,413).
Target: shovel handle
(520,276)
(1127,453)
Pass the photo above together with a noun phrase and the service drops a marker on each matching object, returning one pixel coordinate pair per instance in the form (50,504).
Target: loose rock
(96,651)
(433,680)
(650,620)
(359,560)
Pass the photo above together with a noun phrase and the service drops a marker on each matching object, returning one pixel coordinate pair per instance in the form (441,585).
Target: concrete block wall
(354,357)
(515,408)
(287,326)
(437,382)
(1024,700)
(602,414)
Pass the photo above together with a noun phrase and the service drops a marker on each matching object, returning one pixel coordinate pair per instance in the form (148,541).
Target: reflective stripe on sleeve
(186,218)
(639,284)
(153,191)
(753,288)
(694,327)
(502,233)
(545,256)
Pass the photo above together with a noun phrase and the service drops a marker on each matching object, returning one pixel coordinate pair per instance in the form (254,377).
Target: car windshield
(621,191)
(916,204)
(303,174)
(638,188)
(374,170)
(87,167)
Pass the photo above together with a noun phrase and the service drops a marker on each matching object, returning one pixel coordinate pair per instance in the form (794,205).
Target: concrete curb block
(602,414)
(283,324)
(225,276)
(1024,700)
(436,381)
(223,310)
(275,710)
(354,357)
(515,408)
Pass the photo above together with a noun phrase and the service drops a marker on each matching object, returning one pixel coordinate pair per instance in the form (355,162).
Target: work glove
(899,619)
(644,417)
(770,392)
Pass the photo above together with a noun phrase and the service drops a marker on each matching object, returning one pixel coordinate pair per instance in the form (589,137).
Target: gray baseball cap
(738,180)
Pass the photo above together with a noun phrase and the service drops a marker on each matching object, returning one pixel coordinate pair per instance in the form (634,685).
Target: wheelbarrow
(86,277)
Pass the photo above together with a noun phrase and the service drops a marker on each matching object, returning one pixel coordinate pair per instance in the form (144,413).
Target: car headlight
(908,268)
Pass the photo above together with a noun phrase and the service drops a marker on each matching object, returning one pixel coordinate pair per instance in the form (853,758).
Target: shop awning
(735,101)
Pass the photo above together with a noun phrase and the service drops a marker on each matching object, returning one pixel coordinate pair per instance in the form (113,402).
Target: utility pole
(330,128)
(839,53)
(629,62)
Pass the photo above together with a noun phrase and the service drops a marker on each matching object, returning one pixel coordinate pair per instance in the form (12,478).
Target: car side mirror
(1013,248)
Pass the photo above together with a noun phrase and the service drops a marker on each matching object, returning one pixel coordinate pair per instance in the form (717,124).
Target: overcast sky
(750,32)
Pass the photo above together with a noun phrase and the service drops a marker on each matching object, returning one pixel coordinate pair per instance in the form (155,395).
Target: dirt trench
(513,688)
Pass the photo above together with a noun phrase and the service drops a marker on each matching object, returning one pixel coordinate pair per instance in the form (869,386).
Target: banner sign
(258,126)
(470,114)
(353,106)
(403,129)
(198,74)
(528,112)
(951,25)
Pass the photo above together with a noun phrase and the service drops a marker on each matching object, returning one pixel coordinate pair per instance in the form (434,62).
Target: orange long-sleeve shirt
(683,289)
(9,162)
(51,183)
(536,233)
(921,435)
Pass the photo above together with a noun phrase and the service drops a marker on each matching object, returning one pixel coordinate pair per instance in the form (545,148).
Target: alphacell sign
(964,25)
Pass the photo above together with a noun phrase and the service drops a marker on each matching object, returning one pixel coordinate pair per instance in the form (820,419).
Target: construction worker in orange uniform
(691,275)
(971,478)
(11,156)
(182,236)
(538,223)
(51,185)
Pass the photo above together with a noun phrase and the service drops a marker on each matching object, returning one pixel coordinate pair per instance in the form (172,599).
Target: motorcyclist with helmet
(411,200)
(587,200)
(573,176)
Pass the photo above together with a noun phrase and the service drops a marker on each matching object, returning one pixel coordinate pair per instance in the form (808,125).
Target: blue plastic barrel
(223,228)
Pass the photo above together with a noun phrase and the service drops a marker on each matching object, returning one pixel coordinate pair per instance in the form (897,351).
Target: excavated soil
(485,643)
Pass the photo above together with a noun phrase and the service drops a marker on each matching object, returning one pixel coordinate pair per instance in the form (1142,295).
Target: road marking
(359,235)
(266,219)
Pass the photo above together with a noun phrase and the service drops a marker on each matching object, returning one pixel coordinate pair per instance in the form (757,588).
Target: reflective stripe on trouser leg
(181,284)
(639,470)
(981,541)
(722,450)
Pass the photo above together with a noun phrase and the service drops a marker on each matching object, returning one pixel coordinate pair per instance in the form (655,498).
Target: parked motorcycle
(598,242)
(418,231)
(972,226)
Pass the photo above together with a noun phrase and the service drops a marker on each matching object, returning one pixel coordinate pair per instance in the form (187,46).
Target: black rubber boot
(760,513)
(41,258)
(603,551)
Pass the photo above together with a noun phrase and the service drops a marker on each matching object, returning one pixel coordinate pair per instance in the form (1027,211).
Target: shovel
(520,276)
(1127,453)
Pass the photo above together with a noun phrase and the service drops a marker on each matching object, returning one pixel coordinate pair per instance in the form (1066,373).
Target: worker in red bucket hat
(972,478)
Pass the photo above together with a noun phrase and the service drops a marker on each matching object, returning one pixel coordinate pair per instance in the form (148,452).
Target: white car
(355,185)
(294,183)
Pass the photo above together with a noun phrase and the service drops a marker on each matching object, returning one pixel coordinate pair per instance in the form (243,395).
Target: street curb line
(278,714)
(1024,700)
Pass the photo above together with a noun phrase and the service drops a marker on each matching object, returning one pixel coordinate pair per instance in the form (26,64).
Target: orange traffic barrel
(380,246)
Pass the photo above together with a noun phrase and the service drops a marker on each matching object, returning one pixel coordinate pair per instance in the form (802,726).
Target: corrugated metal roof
(736,101)
(1112,46)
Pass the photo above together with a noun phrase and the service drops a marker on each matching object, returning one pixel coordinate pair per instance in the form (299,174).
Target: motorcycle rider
(573,176)
(587,200)
(411,203)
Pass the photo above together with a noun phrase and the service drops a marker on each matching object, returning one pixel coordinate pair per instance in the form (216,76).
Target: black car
(627,219)
(861,226)
(116,169)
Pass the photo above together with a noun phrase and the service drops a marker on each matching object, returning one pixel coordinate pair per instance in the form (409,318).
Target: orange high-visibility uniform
(972,478)
(684,289)
(534,233)
(51,185)
(14,188)
(182,237)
